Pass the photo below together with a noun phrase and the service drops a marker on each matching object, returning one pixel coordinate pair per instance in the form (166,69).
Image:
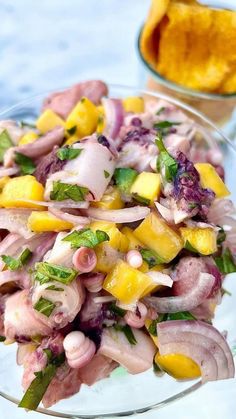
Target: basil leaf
(165,124)
(106,174)
(225,262)
(124,178)
(46,272)
(181,315)
(15,264)
(26,165)
(25,256)
(72,130)
(153,327)
(2,338)
(166,164)
(68,153)
(44,306)
(221,236)
(54,288)
(5,143)
(150,257)
(62,191)
(117,310)
(86,238)
(39,385)
(128,333)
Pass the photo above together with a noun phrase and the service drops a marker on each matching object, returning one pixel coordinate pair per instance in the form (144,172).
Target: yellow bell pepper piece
(127,284)
(147,185)
(110,200)
(19,189)
(133,104)
(101,119)
(28,138)
(117,240)
(202,239)
(49,120)
(158,236)
(134,243)
(209,178)
(84,116)
(178,366)
(3,181)
(40,221)
(154,338)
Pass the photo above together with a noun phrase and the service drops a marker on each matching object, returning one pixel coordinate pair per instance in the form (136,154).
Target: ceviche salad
(114,245)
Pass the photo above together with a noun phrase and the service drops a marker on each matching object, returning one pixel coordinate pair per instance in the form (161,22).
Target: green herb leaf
(124,178)
(2,338)
(163,127)
(153,327)
(25,256)
(141,199)
(225,292)
(39,385)
(225,262)
(62,191)
(86,238)
(128,333)
(68,153)
(49,354)
(44,306)
(160,110)
(181,315)
(27,166)
(150,257)
(157,369)
(54,288)
(221,236)
(72,130)
(117,310)
(106,174)
(46,272)
(5,143)
(15,264)
(166,164)
(24,124)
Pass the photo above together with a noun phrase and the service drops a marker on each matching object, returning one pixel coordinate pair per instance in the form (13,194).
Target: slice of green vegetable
(128,333)
(5,143)
(68,153)
(166,164)
(86,238)
(124,178)
(44,306)
(150,257)
(46,272)
(62,191)
(15,264)
(225,262)
(26,165)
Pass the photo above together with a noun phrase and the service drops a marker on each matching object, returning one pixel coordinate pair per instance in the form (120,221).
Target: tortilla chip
(192,45)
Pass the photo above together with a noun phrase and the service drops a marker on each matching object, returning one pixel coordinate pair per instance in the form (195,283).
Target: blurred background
(49,44)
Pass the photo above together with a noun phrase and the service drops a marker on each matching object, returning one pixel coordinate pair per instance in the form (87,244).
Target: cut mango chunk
(107,257)
(28,138)
(71,140)
(147,185)
(40,221)
(133,104)
(134,243)
(3,181)
(209,178)
(49,120)
(127,284)
(201,239)
(178,366)
(117,240)
(19,189)
(110,200)
(158,236)
(84,117)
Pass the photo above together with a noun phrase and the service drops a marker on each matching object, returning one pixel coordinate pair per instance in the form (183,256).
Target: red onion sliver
(55,204)
(84,259)
(125,215)
(73,219)
(8,276)
(160,278)
(114,116)
(104,299)
(93,282)
(9,172)
(15,220)
(166,213)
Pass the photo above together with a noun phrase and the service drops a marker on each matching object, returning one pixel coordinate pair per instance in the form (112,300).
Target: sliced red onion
(73,219)
(44,244)
(166,213)
(62,204)
(15,221)
(125,215)
(93,281)
(199,341)
(104,299)
(198,293)
(23,351)
(114,113)
(84,259)
(9,172)
(12,276)
(160,278)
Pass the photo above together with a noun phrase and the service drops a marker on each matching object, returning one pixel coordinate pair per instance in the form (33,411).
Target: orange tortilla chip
(192,45)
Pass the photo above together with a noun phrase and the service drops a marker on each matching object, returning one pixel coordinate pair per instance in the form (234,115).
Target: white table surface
(51,43)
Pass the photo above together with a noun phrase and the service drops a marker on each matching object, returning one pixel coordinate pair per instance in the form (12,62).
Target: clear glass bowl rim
(129,89)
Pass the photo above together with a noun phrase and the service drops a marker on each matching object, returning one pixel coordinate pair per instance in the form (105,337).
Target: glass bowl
(122,394)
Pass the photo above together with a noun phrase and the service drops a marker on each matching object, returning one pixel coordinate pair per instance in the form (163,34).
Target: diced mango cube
(107,257)
(28,138)
(158,236)
(117,240)
(3,181)
(147,185)
(133,104)
(110,200)
(125,283)
(19,189)
(84,116)
(209,178)
(40,221)
(49,120)
(134,243)
(178,366)
(202,239)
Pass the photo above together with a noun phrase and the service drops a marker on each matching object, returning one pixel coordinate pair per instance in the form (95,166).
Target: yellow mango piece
(178,366)
(110,200)
(71,140)
(158,236)
(107,257)
(154,338)
(117,240)
(133,104)
(28,138)
(101,119)
(84,116)
(147,185)
(20,188)
(125,283)
(202,239)
(134,243)
(3,181)
(49,120)
(209,178)
(40,221)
